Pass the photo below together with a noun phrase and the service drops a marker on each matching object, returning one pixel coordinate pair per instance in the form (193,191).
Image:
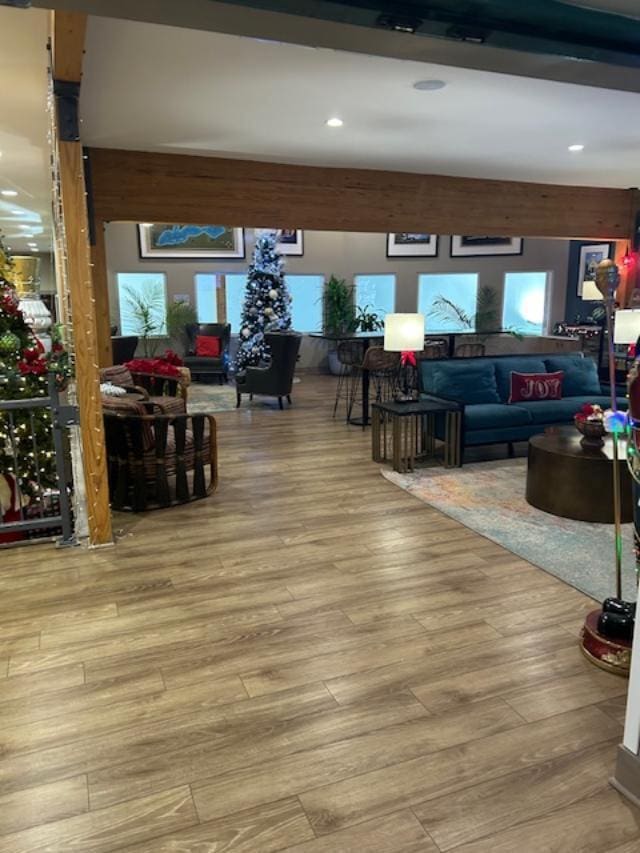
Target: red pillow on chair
(526,387)
(207,346)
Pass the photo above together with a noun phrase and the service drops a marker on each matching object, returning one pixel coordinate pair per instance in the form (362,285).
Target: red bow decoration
(157,366)
(408,357)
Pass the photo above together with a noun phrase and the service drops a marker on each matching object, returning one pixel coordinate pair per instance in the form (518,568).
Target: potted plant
(339,316)
(180,314)
(368,321)
(485,322)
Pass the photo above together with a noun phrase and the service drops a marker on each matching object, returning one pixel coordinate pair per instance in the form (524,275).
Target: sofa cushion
(580,374)
(494,416)
(208,346)
(562,411)
(528,387)
(468,380)
(520,364)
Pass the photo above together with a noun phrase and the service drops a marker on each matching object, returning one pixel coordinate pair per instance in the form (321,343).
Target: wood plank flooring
(311,661)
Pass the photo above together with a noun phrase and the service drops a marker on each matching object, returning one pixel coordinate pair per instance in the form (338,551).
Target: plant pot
(335,366)
(592,434)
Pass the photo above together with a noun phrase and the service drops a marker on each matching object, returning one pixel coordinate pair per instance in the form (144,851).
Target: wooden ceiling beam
(142,186)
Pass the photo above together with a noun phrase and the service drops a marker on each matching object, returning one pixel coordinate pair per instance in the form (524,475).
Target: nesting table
(405,432)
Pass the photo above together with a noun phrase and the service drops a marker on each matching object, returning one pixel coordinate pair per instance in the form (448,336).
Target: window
(524,303)
(142,298)
(206,302)
(376,291)
(306,301)
(234,285)
(446,299)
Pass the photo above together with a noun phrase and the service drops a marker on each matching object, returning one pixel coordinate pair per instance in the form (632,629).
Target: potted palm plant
(339,316)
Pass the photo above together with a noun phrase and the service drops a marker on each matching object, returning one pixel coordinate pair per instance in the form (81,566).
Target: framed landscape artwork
(473,247)
(590,257)
(289,240)
(406,245)
(168,240)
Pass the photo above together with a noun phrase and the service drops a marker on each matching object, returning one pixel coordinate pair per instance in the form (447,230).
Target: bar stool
(350,355)
(383,368)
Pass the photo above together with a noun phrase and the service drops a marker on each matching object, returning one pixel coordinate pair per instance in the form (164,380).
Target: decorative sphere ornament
(245,332)
(9,343)
(273,294)
(268,311)
(607,277)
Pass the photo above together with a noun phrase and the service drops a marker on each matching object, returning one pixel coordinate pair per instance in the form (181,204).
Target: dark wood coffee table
(565,479)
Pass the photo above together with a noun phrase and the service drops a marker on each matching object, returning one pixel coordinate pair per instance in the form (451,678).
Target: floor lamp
(607,633)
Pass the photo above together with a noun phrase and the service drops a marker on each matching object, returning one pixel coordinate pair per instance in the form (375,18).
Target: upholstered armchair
(208,357)
(276,379)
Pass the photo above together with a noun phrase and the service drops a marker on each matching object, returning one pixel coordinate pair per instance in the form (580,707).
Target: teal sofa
(482,386)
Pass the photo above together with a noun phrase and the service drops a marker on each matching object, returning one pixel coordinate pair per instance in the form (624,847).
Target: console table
(405,432)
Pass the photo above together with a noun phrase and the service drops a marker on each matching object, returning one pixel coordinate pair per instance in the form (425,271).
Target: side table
(409,428)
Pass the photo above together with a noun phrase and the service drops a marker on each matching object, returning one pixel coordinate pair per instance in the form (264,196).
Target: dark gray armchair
(200,365)
(276,379)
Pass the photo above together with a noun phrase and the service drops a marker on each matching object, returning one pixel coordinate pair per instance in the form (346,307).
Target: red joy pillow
(526,387)
(207,346)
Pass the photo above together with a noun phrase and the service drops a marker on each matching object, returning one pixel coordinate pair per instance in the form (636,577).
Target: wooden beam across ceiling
(140,186)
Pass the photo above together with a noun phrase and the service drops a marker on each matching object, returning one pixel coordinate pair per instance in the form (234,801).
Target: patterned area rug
(205,398)
(488,497)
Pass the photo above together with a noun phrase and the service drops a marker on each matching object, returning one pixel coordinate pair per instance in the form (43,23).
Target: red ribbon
(408,357)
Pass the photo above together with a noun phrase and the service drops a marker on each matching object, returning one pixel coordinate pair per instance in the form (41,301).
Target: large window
(234,298)
(377,293)
(448,301)
(306,301)
(524,304)
(207,285)
(142,298)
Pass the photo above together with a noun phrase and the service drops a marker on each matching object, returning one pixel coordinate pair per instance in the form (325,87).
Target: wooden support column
(101,295)
(67,44)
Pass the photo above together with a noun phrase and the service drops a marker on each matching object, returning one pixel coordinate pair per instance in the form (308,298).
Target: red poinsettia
(590,412)
(156,366)
(172,357)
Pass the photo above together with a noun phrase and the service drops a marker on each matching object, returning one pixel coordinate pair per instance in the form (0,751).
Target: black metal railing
(54,510)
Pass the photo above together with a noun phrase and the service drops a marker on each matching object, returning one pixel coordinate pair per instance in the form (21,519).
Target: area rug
(204,398)
(488,497)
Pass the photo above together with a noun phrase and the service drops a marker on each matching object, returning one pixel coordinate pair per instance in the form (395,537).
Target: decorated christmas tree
(26,444)
(267,303)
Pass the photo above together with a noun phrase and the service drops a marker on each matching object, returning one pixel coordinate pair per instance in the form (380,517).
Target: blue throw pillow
(468,380)
(580,375)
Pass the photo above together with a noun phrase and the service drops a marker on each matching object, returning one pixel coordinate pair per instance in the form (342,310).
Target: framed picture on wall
(406,245)
(290,240)
(590,257)
(473,247)
(168,240)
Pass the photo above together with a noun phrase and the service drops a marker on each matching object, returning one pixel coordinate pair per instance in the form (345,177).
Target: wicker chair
(469,350)
(158,460)
(350,356)
(164,392)
(433,349)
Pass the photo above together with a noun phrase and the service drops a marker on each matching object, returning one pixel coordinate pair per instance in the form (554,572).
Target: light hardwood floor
(310,661)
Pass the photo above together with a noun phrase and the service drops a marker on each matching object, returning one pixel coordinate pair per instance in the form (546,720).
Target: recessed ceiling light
(8,193)
(576,147)
(334,122)
(429,85)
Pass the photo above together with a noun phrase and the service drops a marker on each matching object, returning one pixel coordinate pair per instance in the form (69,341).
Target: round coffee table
(565,479)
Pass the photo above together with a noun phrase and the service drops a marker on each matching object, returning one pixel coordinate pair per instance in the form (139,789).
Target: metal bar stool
(350,355)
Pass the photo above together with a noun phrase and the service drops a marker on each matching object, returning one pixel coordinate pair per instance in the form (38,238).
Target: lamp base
(612,655)
(405,397)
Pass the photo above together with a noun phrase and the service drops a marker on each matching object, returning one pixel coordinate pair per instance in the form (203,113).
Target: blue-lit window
(448,301)
(207,285)
(306,301)
(376,293)
(139,294)
(525,300)
(234,287)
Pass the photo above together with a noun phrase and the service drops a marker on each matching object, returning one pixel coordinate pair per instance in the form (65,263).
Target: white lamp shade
(403,332)
(590,291)
(627,326)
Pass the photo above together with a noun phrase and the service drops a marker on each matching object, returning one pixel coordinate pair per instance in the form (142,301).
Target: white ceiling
(24,164)
(158,88)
